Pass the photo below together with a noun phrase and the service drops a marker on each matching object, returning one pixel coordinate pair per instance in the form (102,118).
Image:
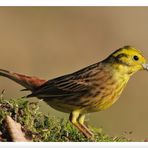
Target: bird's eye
(136,58)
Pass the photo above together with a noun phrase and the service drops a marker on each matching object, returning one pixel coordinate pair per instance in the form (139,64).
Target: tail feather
(29,82)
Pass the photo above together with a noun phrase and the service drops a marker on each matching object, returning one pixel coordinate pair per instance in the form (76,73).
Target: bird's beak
(145,66)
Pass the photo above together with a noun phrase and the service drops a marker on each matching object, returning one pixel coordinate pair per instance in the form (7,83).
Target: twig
(14,130)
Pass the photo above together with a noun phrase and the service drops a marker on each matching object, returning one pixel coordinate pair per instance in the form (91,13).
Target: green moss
(40,127)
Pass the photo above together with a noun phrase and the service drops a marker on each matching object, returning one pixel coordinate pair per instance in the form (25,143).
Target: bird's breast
(107,93)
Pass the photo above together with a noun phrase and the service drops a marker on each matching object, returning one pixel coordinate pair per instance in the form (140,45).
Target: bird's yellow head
(127,60)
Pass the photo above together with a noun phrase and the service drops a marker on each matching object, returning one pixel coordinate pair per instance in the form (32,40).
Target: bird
(91,89)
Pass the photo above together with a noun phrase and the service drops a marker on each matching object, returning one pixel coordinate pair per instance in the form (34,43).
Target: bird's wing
(73,85)
(65,86)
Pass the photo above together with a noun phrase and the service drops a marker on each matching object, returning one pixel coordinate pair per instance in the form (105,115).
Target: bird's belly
(91,106)
(105,103)
(62,106)
(101,101)
(87,105)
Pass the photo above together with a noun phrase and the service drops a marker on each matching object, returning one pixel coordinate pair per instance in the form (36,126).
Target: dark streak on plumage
(119,57)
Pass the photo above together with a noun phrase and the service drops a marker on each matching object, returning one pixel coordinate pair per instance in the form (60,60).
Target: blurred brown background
(52,41)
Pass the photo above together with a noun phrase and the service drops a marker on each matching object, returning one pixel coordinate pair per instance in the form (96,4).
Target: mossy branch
(35,126)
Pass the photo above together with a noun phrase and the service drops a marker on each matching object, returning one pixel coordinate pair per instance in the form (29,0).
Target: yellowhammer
(90,89)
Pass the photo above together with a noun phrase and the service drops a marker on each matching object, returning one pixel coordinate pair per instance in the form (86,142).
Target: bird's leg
(81,122)
(74,116)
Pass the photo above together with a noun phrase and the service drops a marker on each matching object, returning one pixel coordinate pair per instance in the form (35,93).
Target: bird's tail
(29,82)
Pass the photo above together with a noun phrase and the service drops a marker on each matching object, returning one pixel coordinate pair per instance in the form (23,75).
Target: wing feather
(74,84)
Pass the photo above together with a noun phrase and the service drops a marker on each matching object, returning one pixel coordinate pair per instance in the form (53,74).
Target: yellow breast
(110,94)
